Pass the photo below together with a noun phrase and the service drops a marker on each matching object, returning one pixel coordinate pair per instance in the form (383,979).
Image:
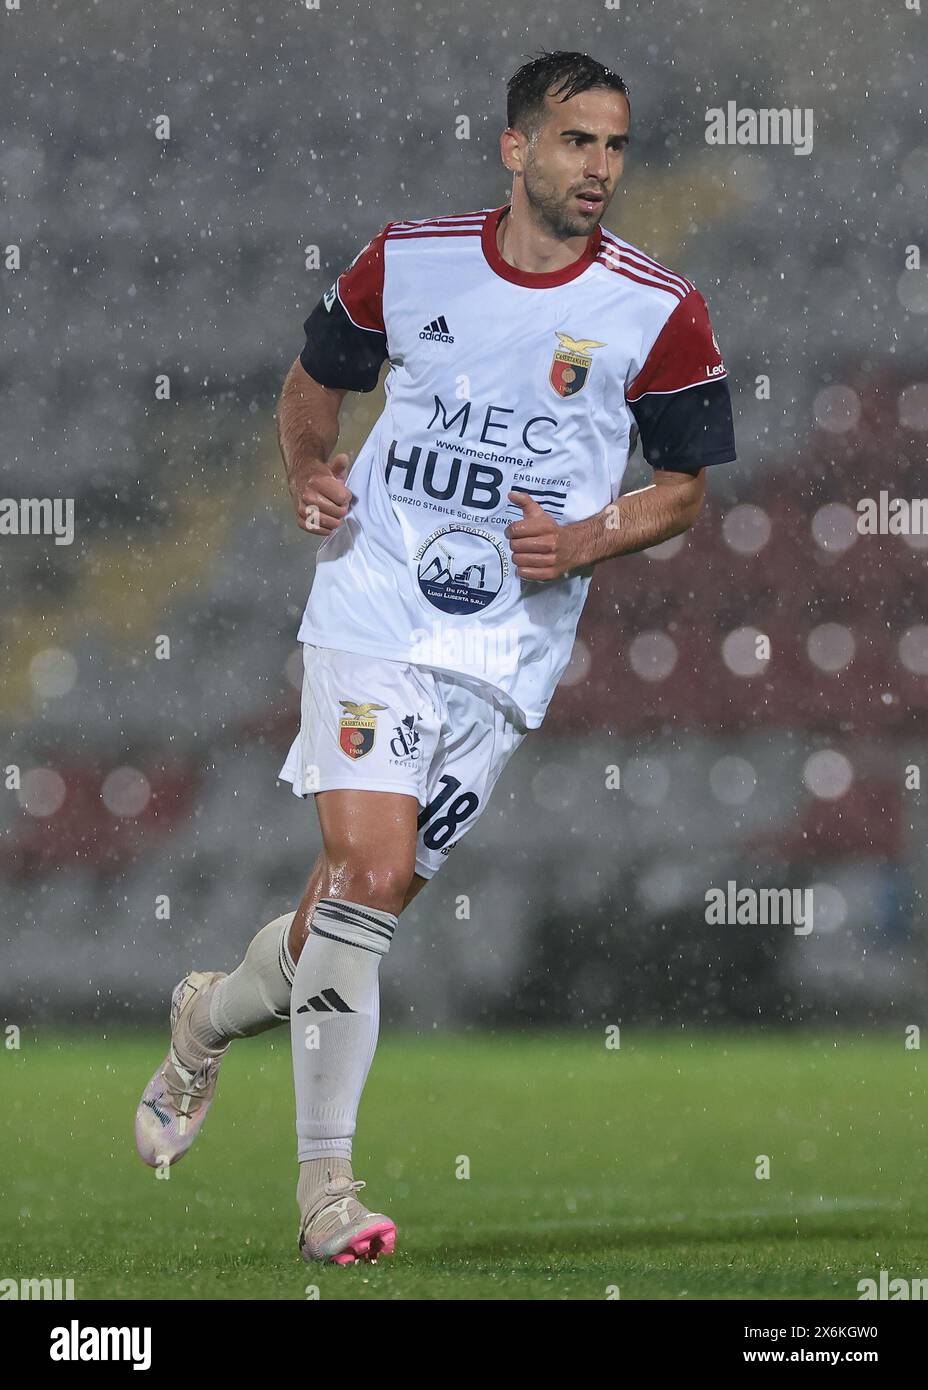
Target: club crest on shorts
(358,728)
(571,364)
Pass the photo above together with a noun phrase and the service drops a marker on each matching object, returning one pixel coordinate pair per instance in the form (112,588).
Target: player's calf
(334,1024)
(255,997)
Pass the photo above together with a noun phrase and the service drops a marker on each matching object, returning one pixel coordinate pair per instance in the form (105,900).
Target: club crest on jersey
(358,728)
(571,365)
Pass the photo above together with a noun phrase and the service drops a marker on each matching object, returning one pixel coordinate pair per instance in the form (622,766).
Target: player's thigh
(368,730)
(368,843)
(479,734)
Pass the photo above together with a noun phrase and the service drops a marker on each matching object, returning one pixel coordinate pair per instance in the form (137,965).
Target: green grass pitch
(590,1170)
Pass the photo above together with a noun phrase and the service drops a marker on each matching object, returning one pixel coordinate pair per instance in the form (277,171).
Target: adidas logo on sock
(327,1001)
(437,331)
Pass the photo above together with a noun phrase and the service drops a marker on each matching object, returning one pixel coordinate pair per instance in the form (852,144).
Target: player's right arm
(307,432)
(346,345)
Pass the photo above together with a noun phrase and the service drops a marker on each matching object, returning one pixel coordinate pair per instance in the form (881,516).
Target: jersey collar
(533,280)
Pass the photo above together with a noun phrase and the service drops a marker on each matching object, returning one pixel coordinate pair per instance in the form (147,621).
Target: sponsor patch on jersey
(330,297)
(461,568)
(358,728)
(719,368)
(571,364)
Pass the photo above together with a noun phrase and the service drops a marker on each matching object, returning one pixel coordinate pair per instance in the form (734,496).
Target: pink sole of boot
(368,1245)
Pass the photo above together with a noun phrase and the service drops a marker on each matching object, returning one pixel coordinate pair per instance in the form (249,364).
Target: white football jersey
(499,379)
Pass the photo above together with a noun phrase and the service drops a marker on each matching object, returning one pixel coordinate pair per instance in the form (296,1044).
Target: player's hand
(541,547)
(321,501)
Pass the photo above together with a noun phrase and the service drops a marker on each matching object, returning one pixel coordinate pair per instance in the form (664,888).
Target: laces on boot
(334,1189)
(186,1085)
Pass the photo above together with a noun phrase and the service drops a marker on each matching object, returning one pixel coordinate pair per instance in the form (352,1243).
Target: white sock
(256,996)
(315,1173)
(334,1019)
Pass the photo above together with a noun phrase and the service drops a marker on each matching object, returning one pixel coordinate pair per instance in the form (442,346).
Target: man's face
(573,162)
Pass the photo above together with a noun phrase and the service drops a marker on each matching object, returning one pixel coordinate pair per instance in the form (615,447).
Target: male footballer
(528,349)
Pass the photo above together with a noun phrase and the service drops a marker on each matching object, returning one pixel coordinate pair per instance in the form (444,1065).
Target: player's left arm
(682,409)
(544,549)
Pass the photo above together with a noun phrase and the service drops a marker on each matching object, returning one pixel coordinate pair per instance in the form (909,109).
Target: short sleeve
(680,399)
(346,338)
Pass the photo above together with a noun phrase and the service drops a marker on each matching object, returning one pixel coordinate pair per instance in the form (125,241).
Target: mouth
(590,199)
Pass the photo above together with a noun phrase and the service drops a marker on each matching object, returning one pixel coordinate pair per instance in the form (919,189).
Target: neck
(526,245)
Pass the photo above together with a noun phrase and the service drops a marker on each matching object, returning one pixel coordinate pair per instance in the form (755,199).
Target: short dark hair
(564,75)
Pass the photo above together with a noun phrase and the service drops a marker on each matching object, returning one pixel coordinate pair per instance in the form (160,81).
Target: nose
(596,165)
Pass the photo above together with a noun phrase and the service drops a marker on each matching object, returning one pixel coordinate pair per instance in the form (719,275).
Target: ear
(511,150)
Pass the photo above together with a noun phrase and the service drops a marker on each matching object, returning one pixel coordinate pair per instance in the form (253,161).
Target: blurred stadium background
(144,778)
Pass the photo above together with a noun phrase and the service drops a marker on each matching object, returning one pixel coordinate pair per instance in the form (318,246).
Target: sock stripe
(317,931)
(354,917)
(362,926)
(351,912)
(358,926)
(283,957)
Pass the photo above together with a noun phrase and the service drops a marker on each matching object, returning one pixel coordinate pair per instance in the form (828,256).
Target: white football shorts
(390,726)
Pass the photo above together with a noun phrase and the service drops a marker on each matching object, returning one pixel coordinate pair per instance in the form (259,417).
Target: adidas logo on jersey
(437,331)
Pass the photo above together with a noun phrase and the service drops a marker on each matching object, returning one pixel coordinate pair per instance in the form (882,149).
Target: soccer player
(528,349)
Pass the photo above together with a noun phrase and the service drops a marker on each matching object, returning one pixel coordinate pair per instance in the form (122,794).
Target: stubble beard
(554,213)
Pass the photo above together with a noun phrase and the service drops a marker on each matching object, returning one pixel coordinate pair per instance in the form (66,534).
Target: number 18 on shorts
(376,725)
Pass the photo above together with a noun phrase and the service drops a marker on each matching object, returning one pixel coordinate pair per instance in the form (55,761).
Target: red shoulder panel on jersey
(360,287)
(685,353)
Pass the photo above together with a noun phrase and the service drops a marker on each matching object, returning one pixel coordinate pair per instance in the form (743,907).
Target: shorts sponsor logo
(357,729)
(571,364)
(404,745)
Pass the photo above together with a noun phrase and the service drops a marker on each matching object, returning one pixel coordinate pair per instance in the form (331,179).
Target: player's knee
(384,886)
